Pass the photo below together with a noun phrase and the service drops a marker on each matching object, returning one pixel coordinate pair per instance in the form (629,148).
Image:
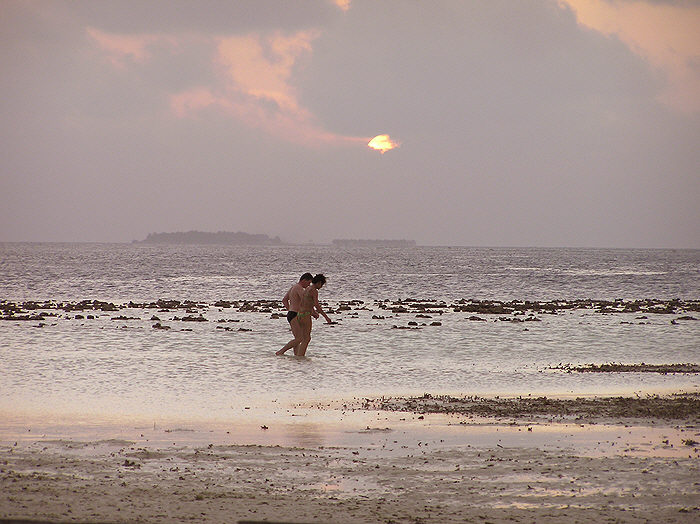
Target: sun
(383,143)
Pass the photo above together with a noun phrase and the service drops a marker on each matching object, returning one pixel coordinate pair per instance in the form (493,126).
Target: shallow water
(126,367)
(123,272)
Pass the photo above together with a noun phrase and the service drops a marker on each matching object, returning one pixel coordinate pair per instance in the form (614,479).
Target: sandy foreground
(425,459)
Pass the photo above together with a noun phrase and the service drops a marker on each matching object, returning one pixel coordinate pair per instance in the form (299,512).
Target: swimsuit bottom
(291,315)
(304,314)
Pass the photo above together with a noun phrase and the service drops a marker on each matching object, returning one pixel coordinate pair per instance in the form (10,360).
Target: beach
(366,460)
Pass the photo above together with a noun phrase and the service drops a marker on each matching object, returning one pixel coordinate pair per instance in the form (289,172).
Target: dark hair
(319,278)
(306,276)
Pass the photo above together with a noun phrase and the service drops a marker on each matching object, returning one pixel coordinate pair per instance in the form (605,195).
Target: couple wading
(301,302)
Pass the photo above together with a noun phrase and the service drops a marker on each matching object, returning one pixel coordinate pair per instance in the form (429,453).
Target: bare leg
(298,333)
(306,336)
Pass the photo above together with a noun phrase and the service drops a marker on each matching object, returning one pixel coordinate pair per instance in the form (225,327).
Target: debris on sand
(683,406)
(631,368)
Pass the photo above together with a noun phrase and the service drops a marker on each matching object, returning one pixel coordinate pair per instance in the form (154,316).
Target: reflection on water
(304,435)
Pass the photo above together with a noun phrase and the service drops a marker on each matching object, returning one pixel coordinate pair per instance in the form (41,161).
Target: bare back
(295,294)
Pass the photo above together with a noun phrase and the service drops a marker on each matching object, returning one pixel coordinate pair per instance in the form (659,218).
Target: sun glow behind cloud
(666,35)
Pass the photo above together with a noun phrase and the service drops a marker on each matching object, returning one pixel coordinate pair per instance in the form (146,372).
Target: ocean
(410,320)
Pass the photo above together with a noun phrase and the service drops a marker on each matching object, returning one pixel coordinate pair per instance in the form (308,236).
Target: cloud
(343,5)
(122,49)
(254,81)
(258,73)
(663,33)
(189,102)
(262,67)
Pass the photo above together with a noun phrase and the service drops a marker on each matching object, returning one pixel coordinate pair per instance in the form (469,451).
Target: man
(292,301)
(310,307)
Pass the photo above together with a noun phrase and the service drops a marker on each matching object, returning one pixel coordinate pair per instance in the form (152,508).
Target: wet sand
(366,460)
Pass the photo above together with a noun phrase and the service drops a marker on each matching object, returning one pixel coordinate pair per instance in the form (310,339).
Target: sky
(530,123)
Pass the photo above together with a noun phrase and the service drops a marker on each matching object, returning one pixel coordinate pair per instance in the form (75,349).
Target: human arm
(317,307)
(285,300)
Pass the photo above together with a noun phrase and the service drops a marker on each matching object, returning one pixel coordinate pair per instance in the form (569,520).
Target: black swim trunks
(291,315)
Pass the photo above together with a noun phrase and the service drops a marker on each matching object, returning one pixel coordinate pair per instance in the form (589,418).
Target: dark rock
(23,317)
(167,304)
(223,304)
(190,318)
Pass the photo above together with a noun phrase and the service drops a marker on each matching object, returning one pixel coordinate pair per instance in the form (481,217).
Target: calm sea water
(199,369)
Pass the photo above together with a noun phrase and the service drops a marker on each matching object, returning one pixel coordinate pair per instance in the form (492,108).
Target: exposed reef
(674,407)
(663,369)
(497,311)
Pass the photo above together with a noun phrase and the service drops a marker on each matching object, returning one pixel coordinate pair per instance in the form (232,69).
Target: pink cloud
(120,49)
(667,36)
(343,5)
(189,102)
(256,87)
(262,67)
(254,84)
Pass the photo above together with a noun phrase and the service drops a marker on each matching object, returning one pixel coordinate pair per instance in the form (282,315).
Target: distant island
(202,237)
(351,242)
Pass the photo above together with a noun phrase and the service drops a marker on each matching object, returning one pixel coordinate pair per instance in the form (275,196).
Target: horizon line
(330,244)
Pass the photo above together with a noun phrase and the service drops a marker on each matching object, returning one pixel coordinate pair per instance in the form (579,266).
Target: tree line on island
(203,237)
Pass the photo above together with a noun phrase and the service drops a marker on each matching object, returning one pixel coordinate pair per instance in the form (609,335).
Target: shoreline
(343,463)
(668,406)
(317,405)
(360,426)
